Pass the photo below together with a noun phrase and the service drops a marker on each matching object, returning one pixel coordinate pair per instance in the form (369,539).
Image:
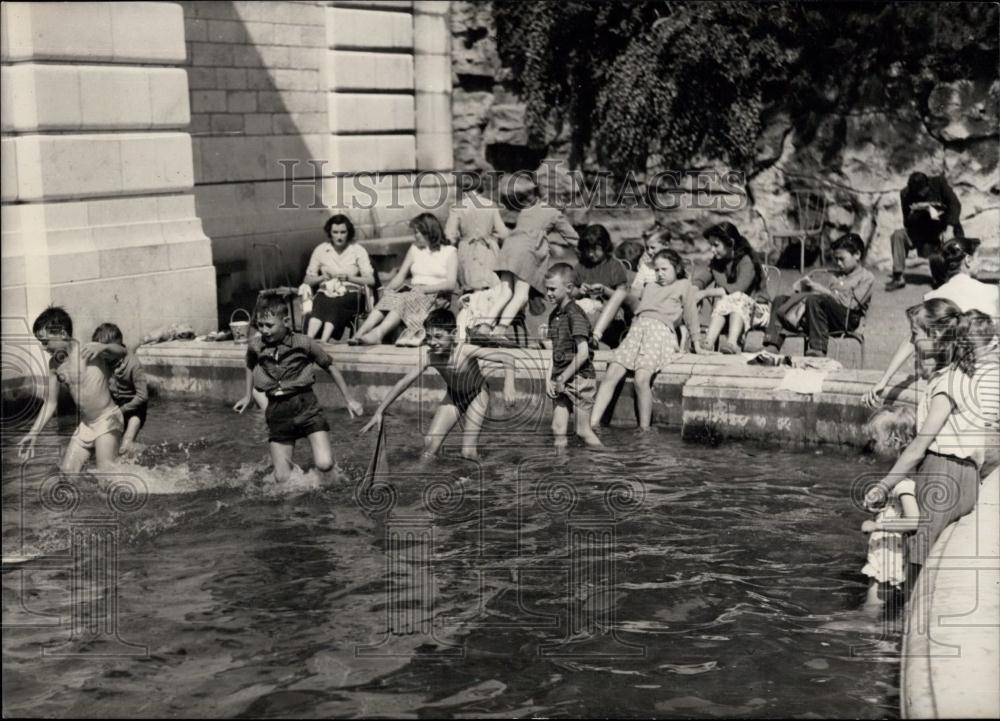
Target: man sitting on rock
(930,207)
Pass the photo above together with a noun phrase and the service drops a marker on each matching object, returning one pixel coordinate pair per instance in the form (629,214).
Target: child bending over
(572,381)
(85,370)
(280,364)
(652,340)
(468,394)
(127,384)
(890,429)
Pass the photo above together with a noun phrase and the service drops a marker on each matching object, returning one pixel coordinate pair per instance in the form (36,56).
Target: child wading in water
(957,417)
(571,383)
(468,394)
(280,364)
(890,429)
(127,384)
(85,369)
(653,337)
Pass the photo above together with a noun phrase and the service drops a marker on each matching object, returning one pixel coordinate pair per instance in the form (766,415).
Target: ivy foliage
(679,79)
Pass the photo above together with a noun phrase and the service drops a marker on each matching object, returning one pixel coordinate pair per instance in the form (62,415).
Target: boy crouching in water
(85,370)
(280,365)
(468,394)
(127,384)
(572,384)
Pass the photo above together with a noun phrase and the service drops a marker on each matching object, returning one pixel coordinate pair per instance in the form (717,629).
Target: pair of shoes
(728,348)
(895,284)
(767,358)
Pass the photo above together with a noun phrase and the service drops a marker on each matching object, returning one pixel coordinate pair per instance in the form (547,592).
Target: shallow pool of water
(654,578)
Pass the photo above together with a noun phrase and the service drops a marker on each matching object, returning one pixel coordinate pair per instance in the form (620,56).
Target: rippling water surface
(655,578)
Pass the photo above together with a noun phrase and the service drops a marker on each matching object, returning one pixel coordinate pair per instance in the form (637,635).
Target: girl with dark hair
(957,262)
(338,270)
(431,267)
(739,285)
(652,340)
(603,285)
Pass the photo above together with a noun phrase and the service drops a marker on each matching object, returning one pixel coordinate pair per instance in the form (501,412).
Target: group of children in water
(955,424)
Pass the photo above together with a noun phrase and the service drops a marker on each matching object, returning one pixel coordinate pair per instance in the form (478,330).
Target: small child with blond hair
(890,430)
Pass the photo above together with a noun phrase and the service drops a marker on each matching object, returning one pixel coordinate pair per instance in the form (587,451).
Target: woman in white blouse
(427,276)
(337,274)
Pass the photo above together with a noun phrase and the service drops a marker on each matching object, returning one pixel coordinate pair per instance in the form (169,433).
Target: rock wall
(846,175)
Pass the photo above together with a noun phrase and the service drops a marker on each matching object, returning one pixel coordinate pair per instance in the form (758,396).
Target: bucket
(239,328)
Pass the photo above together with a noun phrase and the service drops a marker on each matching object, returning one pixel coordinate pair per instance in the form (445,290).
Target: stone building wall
(97,209)
(281,89)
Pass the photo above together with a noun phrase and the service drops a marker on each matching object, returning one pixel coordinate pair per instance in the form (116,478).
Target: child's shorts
(87,433)
(139,413)
(580,393)
(292,417)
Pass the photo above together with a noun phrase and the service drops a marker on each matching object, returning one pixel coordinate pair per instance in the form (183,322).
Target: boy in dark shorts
(280,365)
(468,395)
(127,384)
(572,384)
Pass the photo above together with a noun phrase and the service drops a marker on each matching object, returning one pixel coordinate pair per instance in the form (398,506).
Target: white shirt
(974,422)
(430,267)
(968,293)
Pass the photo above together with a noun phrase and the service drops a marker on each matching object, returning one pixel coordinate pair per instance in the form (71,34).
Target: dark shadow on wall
(225,65)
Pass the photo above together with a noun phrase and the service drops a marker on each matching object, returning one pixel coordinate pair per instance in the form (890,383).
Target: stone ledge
(951,649)
(707,397)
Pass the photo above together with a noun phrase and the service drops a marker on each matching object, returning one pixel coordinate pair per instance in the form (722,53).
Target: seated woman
(525,257)
(735,277)
(335,279)
(603,285)
(431,265)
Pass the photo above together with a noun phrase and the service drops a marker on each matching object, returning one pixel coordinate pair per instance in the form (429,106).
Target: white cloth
(430,267)
(802,380)
(968,293)
(886,561)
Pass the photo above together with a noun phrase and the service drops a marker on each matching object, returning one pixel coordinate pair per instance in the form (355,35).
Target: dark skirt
(340,311)
(947,489)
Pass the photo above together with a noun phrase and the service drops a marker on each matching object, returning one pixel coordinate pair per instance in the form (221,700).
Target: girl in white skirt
(890,430)
(652,340)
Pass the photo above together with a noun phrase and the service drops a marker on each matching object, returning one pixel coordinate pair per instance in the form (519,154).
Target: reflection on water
(654,578)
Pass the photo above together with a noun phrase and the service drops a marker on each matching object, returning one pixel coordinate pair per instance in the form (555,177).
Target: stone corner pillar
(432,85)
(97,175)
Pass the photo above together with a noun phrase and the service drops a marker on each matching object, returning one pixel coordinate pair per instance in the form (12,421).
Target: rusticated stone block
(373,153)
(360,112)
(61,166)
(64,97)
(348,70)
(368,28)
(431,34)
(432,73)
